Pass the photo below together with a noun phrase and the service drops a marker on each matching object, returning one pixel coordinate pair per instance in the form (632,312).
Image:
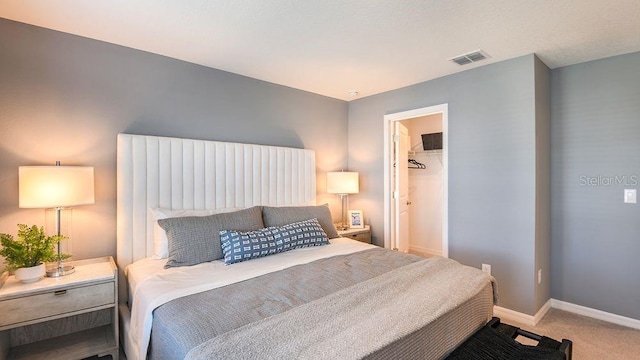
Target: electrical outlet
(630,196)
(539,276)
(486,268)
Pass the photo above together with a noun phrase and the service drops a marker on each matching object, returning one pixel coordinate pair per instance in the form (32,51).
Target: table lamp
(343,183)
(57,187)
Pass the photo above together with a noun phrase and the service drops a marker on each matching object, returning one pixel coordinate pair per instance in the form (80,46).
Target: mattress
(280,285)
(141,270)
(151,268)
(152,285)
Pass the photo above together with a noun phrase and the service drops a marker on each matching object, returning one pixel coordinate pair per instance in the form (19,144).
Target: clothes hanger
(416,164)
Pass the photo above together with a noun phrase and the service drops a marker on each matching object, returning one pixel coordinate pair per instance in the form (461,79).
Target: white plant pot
(30,274)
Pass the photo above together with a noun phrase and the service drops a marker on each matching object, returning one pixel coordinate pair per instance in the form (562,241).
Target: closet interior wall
(425,189)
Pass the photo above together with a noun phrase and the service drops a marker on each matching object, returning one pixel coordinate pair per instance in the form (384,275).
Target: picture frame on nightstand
(356,220)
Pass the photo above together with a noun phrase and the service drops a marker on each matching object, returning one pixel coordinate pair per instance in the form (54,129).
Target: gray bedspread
(341,307)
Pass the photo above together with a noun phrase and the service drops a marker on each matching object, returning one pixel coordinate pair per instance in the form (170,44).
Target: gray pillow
(196,239)
(283,215)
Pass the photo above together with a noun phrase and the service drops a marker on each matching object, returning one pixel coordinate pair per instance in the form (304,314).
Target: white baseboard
(542,312)
(425,251)
(596,314)
(508,314)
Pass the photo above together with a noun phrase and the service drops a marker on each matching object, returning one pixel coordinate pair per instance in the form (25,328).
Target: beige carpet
(592,339)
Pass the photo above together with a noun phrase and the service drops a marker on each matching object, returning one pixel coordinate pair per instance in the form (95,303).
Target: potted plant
(27,255)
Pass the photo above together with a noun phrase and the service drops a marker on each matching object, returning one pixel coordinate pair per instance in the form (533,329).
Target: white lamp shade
(55,186)
(343,182)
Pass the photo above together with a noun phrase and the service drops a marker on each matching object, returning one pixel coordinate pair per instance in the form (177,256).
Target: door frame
(388,168)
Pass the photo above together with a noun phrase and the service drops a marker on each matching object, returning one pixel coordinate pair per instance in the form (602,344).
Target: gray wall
(543,184)
(595,236)
(492,166)
(64,97)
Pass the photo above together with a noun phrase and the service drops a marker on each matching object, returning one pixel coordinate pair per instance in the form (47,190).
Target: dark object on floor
(496,341)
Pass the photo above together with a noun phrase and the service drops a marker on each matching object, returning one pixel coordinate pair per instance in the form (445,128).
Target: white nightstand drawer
(56,302)
(363,234)
(364,237)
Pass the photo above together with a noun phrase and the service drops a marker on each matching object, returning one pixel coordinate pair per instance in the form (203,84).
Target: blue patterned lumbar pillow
(241,246)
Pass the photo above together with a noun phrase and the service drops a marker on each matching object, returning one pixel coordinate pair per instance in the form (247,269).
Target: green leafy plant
(32,248)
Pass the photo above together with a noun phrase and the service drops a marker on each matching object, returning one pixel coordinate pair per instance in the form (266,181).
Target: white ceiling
(330,47)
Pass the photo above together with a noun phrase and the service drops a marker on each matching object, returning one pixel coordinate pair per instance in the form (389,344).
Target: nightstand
(70,317)
(363,235)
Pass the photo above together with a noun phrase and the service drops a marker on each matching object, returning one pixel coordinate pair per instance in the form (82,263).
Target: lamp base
(61,270)
(344,225)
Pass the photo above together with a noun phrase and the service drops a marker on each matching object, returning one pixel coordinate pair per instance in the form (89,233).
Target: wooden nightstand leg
(5,344)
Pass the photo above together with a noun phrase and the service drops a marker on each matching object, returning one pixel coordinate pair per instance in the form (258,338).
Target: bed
(340,299)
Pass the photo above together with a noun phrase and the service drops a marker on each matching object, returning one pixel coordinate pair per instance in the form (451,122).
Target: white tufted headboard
(197,174)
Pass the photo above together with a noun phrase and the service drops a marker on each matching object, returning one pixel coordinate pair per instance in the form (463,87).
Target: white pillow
(160,241)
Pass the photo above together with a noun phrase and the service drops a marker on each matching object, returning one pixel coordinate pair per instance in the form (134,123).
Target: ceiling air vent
(469,58)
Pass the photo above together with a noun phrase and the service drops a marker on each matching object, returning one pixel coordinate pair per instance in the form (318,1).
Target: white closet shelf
(427,152)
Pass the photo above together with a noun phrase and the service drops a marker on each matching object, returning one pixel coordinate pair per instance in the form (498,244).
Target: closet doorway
(415,181)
